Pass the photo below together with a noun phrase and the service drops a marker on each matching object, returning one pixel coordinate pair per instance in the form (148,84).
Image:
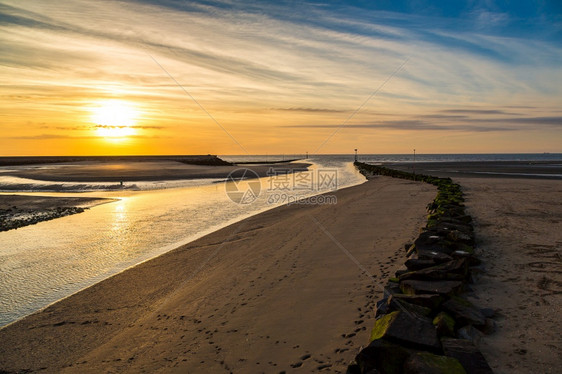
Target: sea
(43,263)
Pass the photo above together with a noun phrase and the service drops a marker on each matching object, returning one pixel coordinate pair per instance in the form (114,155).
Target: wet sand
(518,225)
(551,170)
(291,289)
(134,171)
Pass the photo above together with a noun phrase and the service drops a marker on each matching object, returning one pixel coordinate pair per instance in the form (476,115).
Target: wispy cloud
(140,127)
(454,123)
(414,125)
(470,67)
(476,111)
(310,110)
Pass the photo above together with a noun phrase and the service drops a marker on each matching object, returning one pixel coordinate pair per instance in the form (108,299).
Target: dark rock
(445,324)
(411,250)
(461,254)
(444,227)
(401,304)
(383,356)
(489,327)
(417,287)
(470,333)
(391,288)
(467,354)
(488,312)
(429,240)
(399,272)
(452,270)
(464,312)
(383,307)
(452,210)
(456,223)
(431,301)
(472,260)
(437,257)
(353,369)
(464,219)
(458,236)
(418,264)
(402,328)
(458,246)
(427,363)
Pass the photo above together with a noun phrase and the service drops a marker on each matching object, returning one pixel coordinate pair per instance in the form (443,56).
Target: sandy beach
(293,289)
(131,171)
(517,223)
(280,291)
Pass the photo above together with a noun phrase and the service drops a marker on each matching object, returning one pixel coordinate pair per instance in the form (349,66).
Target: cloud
(452,123)
(476,111)
(310,110)
(410,125)
(140,127)
(51,136)
(240,59)
(548,121)
(66,128)
(75,137)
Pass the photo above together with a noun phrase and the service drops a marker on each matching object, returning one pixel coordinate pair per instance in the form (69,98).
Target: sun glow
(115,119)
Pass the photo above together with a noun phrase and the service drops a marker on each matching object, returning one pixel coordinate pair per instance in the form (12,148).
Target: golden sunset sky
(177,77)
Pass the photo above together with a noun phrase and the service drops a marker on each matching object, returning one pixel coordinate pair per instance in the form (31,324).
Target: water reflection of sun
(120,217)
(114,119)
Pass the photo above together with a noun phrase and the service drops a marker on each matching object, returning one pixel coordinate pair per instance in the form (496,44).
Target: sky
(279,77)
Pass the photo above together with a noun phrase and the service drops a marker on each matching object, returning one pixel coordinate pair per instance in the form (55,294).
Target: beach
(517,223)
(289,289)
(517,212)
(133,169)
(293,289)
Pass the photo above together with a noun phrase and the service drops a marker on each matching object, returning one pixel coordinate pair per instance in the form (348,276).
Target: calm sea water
(43,263)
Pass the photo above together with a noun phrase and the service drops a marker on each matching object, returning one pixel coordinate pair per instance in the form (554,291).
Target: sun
(114,119)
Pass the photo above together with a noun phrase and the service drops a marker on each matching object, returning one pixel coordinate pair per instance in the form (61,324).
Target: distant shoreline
(483,169)
(133,169)
(209,160)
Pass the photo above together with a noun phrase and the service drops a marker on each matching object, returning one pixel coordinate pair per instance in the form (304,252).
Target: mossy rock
(417,287)
(464,312)
(467,354)
(445,324)
(383,356)
(432,223)
(400,304)
(427,363)
(407,329)
(381,325)
(456,269)
(430,301)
